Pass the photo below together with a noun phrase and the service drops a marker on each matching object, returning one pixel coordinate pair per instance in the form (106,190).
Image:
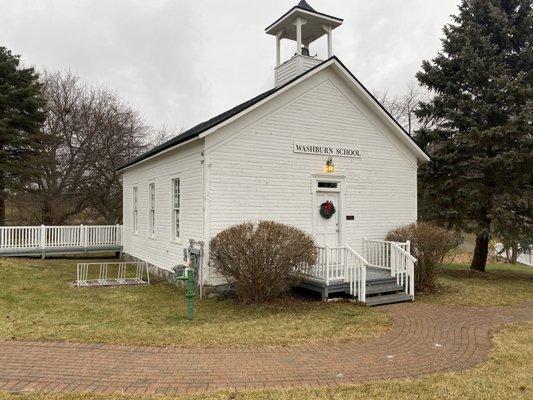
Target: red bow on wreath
(327,209)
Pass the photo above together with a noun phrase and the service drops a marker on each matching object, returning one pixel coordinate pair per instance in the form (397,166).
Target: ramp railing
(24,239)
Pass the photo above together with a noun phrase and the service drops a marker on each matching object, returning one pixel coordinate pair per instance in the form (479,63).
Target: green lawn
(500,285)
(506,375)
(36,302)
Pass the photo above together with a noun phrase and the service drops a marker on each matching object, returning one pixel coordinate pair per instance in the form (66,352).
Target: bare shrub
(261,259)
(430,244)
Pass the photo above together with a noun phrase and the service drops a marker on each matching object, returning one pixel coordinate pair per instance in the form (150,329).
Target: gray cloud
(180,62)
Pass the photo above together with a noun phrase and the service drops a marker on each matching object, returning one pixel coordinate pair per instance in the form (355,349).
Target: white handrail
(403,268)
(378,252)
(356,273)
(395,257)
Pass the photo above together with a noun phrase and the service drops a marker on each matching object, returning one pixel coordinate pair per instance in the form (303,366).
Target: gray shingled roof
(303,4)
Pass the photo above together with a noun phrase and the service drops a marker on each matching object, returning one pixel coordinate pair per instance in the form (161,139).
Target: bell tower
(303,25)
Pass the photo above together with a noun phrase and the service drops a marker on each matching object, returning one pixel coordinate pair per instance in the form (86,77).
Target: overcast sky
(180,62)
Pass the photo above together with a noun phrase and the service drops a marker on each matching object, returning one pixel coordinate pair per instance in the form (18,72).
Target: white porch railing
(341,265)
(395,257)
(378,252)
(403,268)
(330,264)
(344,265)
(356,275)
(15,239)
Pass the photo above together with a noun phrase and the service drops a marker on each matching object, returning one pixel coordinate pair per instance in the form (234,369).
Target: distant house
(318,136)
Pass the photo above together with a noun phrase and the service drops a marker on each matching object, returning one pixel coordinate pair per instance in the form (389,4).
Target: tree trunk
(2,206)
(47,217)
(514,254)
(481,252)
(2,195)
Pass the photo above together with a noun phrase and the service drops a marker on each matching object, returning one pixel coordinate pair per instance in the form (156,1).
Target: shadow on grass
(500,285)
(501,272)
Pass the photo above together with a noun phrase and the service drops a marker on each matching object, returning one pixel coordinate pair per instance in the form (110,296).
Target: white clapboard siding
(288,70)
(184,163)
(254,173)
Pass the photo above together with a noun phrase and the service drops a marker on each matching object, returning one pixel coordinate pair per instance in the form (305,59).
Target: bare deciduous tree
(402,108)
(89,133)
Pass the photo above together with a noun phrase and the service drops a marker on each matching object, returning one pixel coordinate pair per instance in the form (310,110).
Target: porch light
(330,167)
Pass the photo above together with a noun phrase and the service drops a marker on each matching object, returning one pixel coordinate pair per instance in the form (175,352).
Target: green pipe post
(190,294)
(189,277)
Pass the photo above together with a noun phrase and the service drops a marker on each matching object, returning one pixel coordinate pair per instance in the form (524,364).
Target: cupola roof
(314,23)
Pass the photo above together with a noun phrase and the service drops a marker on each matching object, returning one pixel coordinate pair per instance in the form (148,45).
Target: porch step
(387,287)
(387,299)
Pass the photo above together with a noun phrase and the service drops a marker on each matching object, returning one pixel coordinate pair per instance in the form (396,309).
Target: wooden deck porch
(387,278)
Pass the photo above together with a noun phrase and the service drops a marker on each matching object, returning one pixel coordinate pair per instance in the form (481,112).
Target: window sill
(176,241)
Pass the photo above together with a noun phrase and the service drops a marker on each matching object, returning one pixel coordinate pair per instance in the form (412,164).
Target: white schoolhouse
(317,139)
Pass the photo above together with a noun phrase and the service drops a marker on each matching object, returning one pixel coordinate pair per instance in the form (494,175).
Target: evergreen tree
(482,146)
(21,114)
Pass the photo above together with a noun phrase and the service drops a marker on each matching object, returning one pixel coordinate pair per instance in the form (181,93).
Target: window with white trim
(176,206)
(135,211)
(152,209)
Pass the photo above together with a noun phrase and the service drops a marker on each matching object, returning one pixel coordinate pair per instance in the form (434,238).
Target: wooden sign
(331,151)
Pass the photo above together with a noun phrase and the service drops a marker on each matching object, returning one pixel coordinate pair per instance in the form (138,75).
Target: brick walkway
(424,339)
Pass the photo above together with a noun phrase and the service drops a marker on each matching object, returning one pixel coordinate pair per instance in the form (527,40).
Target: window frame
(135,222)
(323,184)
(176,207)
(151,209)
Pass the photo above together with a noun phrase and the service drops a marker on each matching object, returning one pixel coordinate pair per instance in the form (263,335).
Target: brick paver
(424,339)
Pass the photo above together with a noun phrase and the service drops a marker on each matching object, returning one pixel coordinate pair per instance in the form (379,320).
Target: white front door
(327,231)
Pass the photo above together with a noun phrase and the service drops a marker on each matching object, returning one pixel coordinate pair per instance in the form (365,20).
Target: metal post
(188,275)
(190,294)
(147,273)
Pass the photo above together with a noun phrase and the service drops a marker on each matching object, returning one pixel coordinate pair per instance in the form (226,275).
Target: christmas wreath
(327,209)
